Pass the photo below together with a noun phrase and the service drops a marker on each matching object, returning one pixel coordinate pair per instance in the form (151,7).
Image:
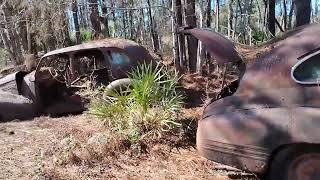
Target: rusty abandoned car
(50,89)
(271,124)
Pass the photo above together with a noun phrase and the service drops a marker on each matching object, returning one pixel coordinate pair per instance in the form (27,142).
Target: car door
(306,115)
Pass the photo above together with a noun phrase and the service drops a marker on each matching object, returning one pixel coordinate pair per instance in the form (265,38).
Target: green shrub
(85,36)
(148,107)
(258,36)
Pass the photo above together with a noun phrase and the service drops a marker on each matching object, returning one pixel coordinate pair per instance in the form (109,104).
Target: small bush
(85,36)
(147,108)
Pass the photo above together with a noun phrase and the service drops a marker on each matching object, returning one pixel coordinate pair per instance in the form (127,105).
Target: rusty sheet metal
(134,50)
(268,110)
(14,106)
(12,82)
(30,90)
(219,47)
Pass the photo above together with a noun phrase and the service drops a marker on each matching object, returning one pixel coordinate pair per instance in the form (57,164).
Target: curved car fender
(14,106)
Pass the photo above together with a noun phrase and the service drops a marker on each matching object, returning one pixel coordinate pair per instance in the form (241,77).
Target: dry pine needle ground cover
(43,149)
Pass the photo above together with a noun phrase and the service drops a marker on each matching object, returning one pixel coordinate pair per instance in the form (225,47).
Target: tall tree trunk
(23,33)
(130,17)
(284,5)
(192,41)
(65,29)
(50,40)
(209,16)
(141,26)
(302,11)
(154,34)
(260,21)
(272,17)
(290,14)
(114,18)
(217,14)
(124,18)
(83,14)
(95,18)
(199,57)
(76,21)
(235,22)
(105,19)
(132,29)
(230,17)
(181,39)
(175,43)
(241,24)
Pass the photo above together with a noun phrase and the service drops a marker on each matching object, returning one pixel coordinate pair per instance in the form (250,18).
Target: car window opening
(308,71)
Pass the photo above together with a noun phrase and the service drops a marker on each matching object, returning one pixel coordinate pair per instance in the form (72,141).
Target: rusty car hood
(218,46)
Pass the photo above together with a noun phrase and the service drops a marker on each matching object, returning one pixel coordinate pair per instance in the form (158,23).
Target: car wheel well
(286,146)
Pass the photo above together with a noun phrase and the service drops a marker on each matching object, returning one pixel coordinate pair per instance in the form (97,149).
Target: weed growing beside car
(145,109)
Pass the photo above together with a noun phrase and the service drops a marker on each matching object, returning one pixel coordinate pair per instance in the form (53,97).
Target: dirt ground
(28,150)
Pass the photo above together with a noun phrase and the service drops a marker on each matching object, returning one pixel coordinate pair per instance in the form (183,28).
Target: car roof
(132,48)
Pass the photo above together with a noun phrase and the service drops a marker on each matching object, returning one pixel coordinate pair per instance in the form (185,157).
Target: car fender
(14,106)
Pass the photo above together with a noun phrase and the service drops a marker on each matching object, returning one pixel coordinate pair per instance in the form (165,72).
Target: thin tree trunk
(235,22)
(75,21)
(302,12)
(209,17)
(175,49)
(241,24)
(131,25)
(95,18)
(130,20)
(50,40)
(192,41)
(284,4)
(272,17)
(142,26)
(154,34)
(260,15)
(124,23)
(230,18)
(23,34)
(291,14)
(65,29)
(105,19)
(181,38)
(217,14)
(114,18)
(199,59)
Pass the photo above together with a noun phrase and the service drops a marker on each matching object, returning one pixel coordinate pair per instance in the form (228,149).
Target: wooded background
(39,26)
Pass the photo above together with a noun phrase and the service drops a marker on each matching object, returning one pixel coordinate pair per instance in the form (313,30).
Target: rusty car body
(271,124)
(50,89)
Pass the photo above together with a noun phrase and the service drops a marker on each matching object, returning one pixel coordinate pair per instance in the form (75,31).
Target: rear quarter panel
(14,106)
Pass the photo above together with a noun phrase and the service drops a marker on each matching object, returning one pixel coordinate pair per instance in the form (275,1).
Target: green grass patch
(147,108)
